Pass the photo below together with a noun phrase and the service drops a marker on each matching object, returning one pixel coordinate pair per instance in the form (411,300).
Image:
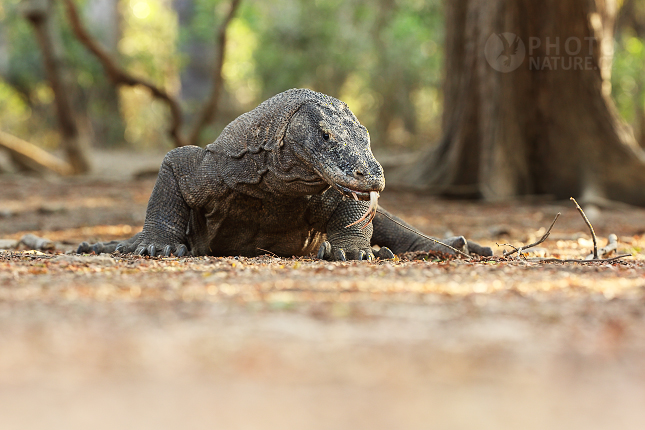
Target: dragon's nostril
(359,173)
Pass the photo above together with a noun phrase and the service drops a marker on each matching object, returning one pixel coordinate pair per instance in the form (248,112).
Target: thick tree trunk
(547,127)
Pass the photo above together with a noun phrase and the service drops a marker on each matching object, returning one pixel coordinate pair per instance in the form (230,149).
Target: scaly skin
(279,179)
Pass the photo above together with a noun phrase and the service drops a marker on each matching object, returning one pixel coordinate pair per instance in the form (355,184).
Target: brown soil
(107,342)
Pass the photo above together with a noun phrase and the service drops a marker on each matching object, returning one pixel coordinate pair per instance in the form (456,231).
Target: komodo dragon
(287,178)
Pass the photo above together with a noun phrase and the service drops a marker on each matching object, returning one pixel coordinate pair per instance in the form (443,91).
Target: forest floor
(106,342)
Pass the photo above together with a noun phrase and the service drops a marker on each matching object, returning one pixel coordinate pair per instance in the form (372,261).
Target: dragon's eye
(325,135)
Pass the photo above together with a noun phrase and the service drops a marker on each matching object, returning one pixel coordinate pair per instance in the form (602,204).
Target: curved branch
(209,110)
(120,76)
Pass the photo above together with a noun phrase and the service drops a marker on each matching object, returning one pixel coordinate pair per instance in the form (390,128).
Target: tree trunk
(546,127)
(74,140)
(104,17)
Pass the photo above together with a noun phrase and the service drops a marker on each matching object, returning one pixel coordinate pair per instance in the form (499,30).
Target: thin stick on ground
(593,234)
(559,260)
(542,239)
(424,236)
(508,244)
(612,245)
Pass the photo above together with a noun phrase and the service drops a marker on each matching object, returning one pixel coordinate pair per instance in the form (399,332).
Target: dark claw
(339,255)
(83,248)
(141,250)
(385,253)
(120,248)
(152,250)
(369,255)
(324,252)
(181,250)
(167,250)
(361,255)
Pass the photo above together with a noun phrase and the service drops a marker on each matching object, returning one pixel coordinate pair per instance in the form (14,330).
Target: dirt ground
(106,342)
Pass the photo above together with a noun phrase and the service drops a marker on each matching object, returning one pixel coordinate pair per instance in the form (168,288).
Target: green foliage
(628,76)
(24,64)
(383,57)
(24,81)
(380,57)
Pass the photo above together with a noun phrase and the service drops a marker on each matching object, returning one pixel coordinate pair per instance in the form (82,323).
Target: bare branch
(209,111)
(612,245)
(593,233)
(508,244)
(120,76)
(542,239)
(558,260)
(35,154)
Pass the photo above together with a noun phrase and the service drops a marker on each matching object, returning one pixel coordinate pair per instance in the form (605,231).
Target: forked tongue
(370,213)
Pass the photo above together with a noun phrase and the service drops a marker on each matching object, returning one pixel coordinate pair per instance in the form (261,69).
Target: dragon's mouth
(355,194)
(371,196)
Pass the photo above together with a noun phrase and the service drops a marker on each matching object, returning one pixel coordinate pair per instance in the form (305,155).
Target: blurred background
(384,58)
(102,343)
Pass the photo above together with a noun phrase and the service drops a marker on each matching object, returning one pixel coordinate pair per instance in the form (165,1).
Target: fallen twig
(559,260)
(542,239)
(612,245)
(593,233)
(508,244)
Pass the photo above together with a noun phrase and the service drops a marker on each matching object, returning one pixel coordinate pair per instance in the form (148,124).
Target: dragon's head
(326,135)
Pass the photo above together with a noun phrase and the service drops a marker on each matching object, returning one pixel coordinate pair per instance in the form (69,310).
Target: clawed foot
(178,250)
(138,247)
(332,253)
(97,248)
